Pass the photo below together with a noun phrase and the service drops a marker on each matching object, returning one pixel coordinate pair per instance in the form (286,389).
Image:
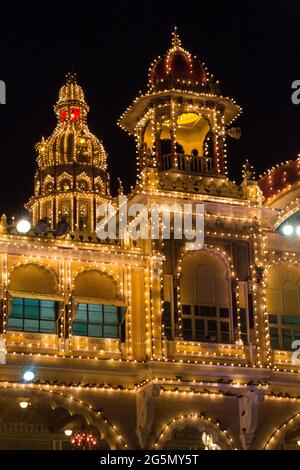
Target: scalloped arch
(33,277)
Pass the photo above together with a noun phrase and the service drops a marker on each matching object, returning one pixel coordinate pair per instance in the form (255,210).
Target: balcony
(186,163)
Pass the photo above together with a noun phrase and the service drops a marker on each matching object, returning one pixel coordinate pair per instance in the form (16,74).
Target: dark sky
(252,48)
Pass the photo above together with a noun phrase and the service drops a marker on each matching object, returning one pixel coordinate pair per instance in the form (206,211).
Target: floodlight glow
(23,226)
(28,375)
(68,432)
(23,404)
(298,230)
(288,229)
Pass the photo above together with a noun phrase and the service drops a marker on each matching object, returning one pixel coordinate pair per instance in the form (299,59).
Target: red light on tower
(75,114)
(63,115)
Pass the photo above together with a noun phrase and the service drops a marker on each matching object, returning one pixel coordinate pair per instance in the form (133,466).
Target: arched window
(283,305)
(65,185)
(33,299)
(205,298)
(99,309)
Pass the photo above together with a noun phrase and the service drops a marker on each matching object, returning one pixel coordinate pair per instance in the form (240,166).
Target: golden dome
(71,142)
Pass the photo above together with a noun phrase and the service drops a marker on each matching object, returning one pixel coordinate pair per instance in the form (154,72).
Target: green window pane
(95,308)
(31,308)
(81,314)
(95,331)
(31,303)
(111,318)
(95,313)
(47,326)
(15,324)
(47,310)
(47,304)
(17,309)
(110,331)
(110,309)
(79,329)
(31,325)
(48,314)
(34,315)
(95,317)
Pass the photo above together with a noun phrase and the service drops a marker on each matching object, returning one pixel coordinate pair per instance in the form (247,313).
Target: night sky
(253,50)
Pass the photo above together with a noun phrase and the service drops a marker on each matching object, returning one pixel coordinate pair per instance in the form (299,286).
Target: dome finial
(176,42)
(71,77)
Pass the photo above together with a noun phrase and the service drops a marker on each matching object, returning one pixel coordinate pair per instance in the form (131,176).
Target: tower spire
(176,42)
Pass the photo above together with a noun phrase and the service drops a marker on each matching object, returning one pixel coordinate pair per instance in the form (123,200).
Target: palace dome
(177,67)
(71,140)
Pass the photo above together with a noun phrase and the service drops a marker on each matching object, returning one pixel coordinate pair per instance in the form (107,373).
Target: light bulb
(23,226)
(68,432)
(23,404)
(28,375)
(287,229)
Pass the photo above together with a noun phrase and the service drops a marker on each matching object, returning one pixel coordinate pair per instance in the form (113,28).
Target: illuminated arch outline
(191,418)
(98,413)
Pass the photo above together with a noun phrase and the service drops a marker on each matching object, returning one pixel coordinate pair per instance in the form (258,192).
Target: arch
(83,178)
(191,131)
(282,284)
(272,440)
(65,181)
(195,420)
(76,409)
(205,297)
(207,267)
(99,185)
(96,283)
(34,278)
(48,184)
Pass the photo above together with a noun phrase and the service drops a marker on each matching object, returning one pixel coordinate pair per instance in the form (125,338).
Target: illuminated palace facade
(142,343)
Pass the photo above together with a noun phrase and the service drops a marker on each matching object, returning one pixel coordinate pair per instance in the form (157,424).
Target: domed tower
(72,177)
(181,122)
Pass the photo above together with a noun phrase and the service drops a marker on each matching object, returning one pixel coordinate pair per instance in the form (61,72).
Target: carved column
(248,411)
(145,407)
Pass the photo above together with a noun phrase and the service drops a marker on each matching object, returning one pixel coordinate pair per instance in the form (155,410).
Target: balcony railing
(188,163)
